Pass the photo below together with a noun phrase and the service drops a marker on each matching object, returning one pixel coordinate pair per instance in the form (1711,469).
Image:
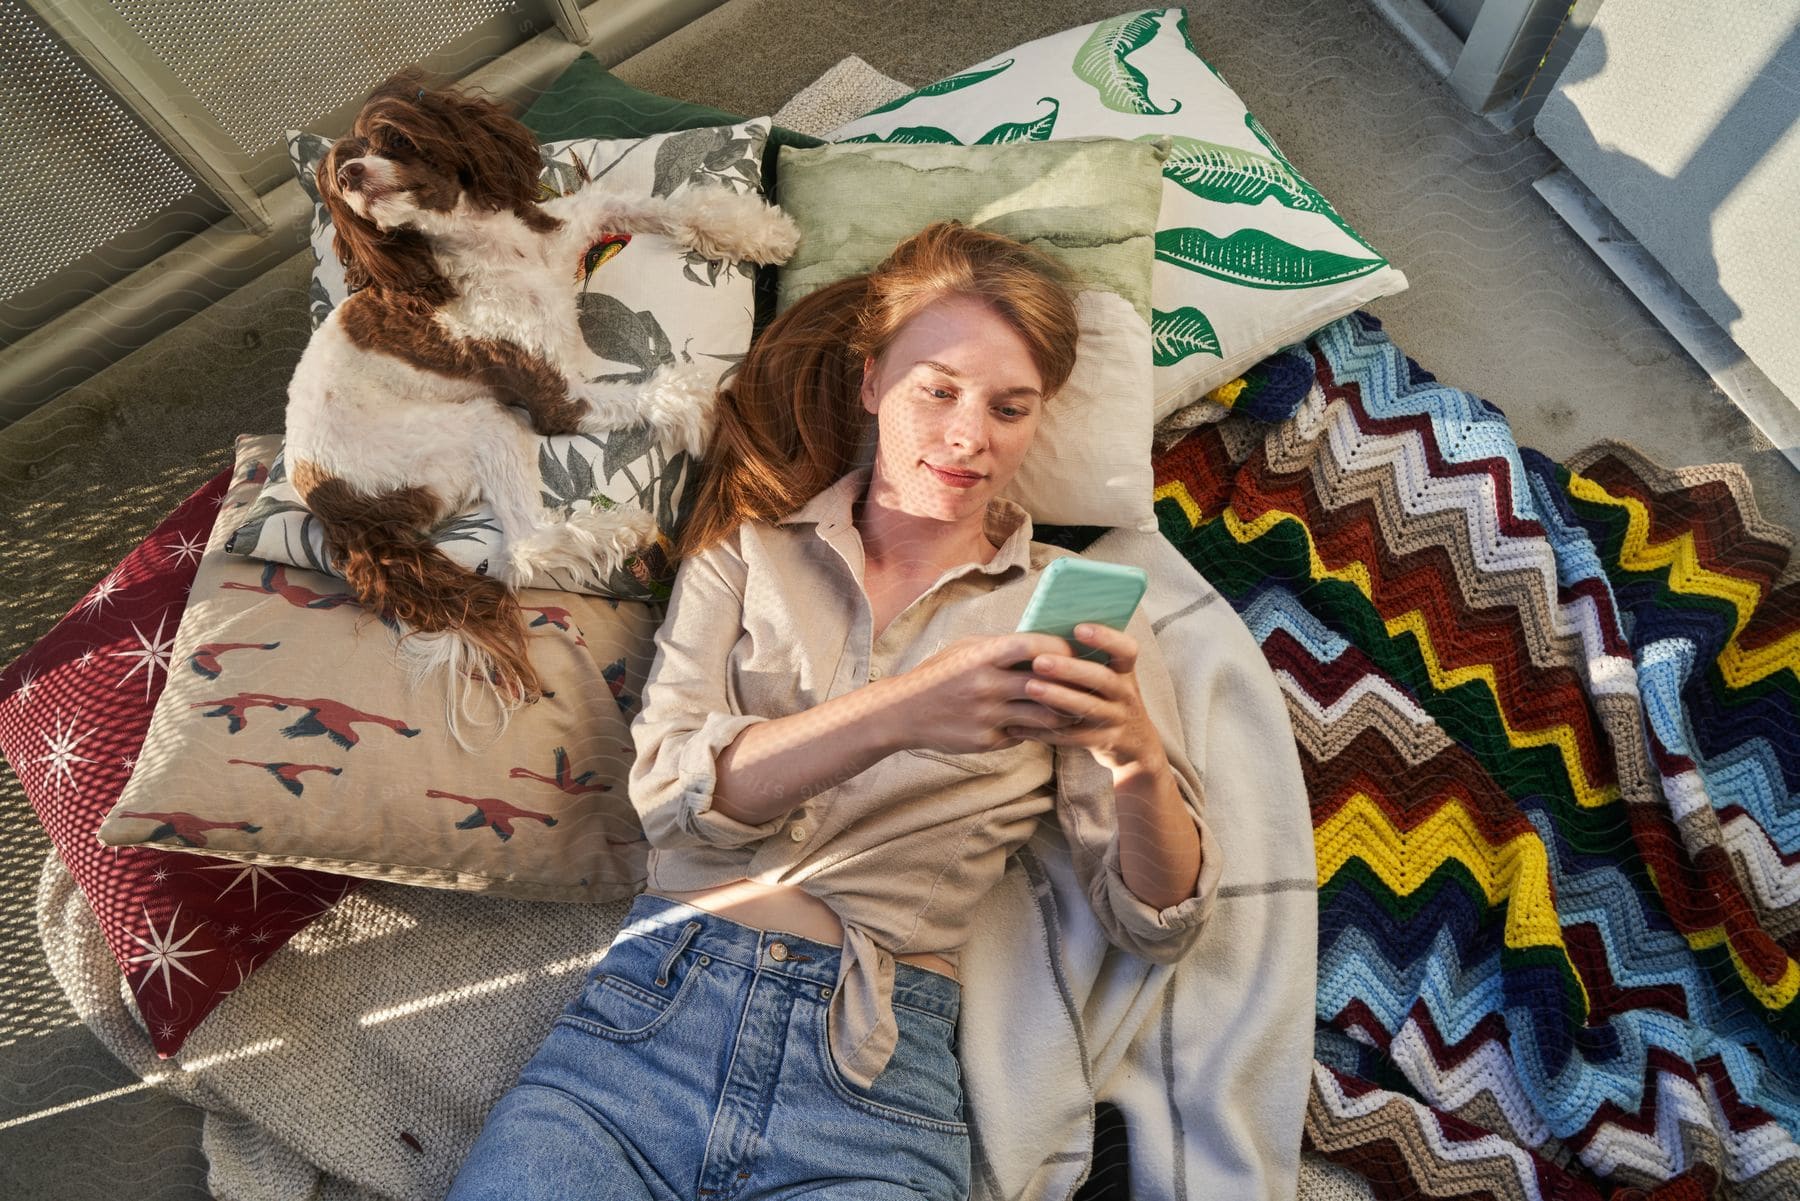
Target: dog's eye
(398,143)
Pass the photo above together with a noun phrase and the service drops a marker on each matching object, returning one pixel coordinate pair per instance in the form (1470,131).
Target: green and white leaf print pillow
(1249,256)
(643,301)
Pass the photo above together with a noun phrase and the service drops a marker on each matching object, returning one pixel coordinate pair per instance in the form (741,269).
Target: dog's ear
(400,259)
(489,152)
(496,157)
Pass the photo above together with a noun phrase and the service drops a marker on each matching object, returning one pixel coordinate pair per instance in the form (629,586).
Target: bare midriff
(790,909)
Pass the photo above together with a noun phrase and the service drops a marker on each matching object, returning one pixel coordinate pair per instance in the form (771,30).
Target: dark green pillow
(588,101)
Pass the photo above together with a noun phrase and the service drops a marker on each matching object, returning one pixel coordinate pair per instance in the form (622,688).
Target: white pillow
(1249,256)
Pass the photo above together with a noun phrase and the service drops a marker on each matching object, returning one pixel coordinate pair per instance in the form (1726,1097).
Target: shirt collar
(1006,523)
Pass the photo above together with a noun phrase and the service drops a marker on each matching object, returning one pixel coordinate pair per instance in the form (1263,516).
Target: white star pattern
(165,1031)
(189,547)
(128,762)
(23,692)
(261,936)
(160,875)
(149,655)
(87,658)
(103,592)
(62,757)
(233,930)
(255,873)
(163,953)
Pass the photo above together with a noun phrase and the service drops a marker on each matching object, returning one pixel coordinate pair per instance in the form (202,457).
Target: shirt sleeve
(687,719)
(1088,814)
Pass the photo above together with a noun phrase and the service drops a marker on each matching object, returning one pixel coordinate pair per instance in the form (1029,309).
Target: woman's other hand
(1098,704)
(971,696)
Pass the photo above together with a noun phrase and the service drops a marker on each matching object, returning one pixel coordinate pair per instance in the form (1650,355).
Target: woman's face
(957,400)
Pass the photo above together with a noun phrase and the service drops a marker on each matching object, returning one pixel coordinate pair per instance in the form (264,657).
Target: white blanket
(359,1061)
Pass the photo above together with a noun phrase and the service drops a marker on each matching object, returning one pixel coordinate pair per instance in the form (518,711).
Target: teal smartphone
(1072,591)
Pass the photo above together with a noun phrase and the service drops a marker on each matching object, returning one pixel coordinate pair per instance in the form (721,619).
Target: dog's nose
(350,174)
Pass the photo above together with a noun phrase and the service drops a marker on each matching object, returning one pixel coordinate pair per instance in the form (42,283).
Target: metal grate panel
(76,170)
(263,66)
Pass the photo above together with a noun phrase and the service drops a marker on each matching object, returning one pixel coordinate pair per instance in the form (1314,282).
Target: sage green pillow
(1250,256)
(1091,205)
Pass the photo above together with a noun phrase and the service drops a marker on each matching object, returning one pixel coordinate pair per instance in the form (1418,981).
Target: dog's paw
(678,402)
(608,406)
(721,224)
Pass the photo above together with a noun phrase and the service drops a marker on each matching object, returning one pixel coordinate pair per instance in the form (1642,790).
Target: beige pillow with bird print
(288,735)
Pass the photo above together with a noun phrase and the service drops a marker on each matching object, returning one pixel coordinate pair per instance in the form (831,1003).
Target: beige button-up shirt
(775,620)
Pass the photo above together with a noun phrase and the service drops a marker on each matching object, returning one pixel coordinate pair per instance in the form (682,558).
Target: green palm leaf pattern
(1100,62)
(1186,36)
(952,84)
(1175,336)
(1257,259)
(910,135)
(1024,131)
(1321,205)
(1229,175)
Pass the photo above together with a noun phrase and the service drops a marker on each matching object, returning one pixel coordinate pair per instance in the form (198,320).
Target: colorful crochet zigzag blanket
(1550,719)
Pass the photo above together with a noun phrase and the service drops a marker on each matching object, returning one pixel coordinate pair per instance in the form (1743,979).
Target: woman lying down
(835,757)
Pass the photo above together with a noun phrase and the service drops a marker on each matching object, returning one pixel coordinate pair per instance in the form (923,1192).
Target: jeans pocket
(639,985)
(922,1083)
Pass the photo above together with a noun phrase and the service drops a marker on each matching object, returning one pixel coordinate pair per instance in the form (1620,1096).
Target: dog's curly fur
(428,389)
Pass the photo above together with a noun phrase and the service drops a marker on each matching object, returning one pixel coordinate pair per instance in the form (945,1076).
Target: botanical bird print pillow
(1250,257)
(644,301)
(288,735)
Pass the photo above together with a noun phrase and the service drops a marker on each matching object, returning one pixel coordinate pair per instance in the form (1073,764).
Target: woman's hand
(970,696)
(1099,703)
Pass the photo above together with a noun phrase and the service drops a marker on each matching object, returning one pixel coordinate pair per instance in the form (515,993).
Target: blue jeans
(693,1064)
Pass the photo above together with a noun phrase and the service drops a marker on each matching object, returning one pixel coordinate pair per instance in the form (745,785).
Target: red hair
(789,419)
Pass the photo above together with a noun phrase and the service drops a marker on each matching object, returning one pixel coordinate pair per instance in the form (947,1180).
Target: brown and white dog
(429,388)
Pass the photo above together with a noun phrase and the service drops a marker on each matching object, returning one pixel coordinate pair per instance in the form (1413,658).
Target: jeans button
(778,951)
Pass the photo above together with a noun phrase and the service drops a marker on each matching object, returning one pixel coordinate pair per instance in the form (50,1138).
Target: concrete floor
(1505,301)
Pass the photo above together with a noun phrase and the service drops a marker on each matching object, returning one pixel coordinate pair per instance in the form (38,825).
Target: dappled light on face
(956,397)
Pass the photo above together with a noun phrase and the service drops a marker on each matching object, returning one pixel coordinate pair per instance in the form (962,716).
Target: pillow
(1090,204)
(185,929)
(653,302)
(1249,256)
(288,735)
(588,101)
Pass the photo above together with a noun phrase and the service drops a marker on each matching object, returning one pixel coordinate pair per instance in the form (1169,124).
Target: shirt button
(798,833)
(874,673)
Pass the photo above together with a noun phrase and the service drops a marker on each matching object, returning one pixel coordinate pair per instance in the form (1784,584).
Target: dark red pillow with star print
(185,929)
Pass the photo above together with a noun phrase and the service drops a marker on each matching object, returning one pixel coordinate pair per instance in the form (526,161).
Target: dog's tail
(462,620)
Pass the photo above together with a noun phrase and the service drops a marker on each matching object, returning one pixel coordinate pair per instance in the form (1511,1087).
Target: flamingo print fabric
(288,734)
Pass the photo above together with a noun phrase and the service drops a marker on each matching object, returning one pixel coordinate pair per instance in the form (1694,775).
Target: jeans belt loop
(687,936)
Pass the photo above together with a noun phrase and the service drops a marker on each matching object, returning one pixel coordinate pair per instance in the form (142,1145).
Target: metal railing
(211,104)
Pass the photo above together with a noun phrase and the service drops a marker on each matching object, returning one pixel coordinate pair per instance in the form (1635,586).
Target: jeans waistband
(666,920)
